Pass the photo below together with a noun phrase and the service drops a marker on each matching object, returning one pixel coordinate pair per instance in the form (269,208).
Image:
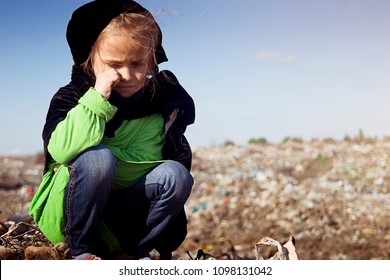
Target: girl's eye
(114,65)
(137,64)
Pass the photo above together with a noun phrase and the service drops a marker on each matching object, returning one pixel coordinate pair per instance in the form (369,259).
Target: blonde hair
(137,30)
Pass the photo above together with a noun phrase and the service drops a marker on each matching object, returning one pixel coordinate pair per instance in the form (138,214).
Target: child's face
(129,62)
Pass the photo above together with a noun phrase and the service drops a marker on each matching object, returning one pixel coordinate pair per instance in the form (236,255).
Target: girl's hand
(106,81)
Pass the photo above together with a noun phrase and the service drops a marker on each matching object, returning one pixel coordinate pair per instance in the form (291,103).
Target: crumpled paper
(286,251)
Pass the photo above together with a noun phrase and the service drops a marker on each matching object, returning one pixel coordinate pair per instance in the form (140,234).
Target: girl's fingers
(106,81)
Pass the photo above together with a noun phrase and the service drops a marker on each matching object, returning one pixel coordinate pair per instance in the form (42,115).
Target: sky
(255,68)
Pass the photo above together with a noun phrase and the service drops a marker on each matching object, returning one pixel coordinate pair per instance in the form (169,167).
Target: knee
(97,164)
(180,178)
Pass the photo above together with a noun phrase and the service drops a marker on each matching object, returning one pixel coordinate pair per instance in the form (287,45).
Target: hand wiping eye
(106,81)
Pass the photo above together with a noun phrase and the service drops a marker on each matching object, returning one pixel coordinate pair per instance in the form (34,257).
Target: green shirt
(137,146)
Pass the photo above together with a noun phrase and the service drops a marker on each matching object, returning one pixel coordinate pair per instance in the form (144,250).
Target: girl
(117,172)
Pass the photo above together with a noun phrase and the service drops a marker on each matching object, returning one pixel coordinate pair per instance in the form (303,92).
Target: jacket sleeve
(175,98)
(82,128)
(177,147)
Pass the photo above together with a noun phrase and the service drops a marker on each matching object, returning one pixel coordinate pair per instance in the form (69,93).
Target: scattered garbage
(332,196)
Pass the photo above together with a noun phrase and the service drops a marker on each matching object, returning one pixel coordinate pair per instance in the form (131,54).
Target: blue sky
(255,68)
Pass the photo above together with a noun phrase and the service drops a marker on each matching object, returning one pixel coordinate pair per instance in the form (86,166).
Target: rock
(8,254)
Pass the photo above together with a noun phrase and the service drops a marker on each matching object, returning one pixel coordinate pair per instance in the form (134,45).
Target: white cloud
(275,57)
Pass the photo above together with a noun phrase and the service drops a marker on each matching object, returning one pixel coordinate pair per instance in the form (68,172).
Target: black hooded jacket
(165,96)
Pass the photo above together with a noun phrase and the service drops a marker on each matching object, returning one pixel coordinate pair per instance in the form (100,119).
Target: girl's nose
(126,73)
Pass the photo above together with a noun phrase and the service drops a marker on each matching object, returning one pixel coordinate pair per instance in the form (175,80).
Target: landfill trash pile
(20,176)
(332,196)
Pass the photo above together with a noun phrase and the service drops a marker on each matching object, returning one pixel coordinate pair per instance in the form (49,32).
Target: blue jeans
(148,215)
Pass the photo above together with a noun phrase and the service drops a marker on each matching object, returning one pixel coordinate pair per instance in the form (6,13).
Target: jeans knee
(97,164)
(182,178)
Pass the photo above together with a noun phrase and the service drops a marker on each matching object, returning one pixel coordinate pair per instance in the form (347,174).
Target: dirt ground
(332,196)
